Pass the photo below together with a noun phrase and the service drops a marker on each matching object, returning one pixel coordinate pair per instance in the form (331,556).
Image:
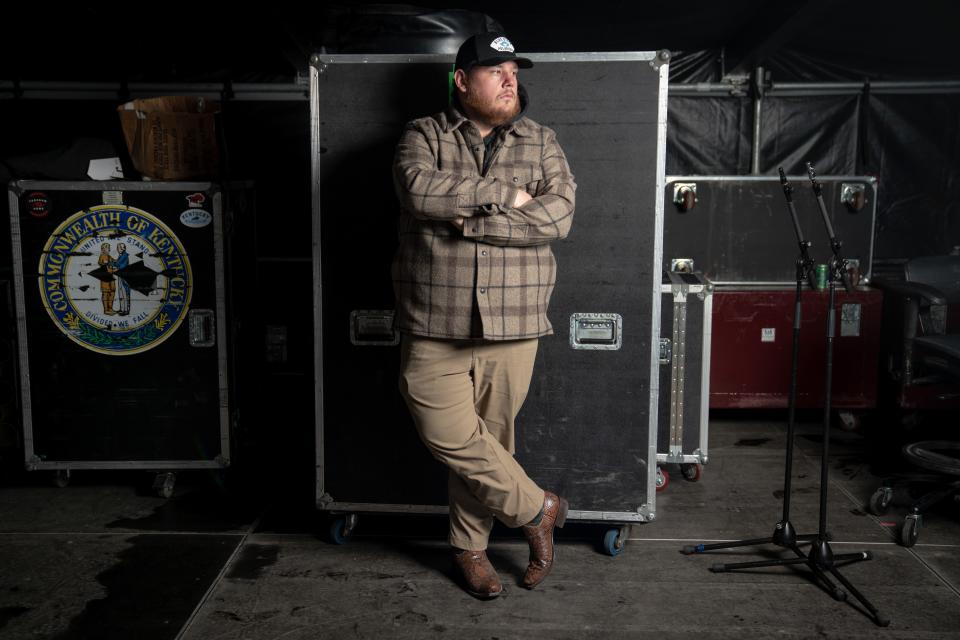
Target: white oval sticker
(195,218)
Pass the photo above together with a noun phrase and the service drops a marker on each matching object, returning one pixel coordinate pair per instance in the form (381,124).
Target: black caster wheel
(880,501)
(164,483)
(342,527)
(614,540)
(849,421)
(61,478)
(692,471)
(663,479)
(910,530)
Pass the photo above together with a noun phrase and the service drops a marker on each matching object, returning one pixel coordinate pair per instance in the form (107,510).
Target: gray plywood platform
(100,560)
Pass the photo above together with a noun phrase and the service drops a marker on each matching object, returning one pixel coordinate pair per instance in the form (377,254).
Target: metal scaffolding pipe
(115,91)
(707,88)
(820,88)
(297,91)
(880,86)
(757,111)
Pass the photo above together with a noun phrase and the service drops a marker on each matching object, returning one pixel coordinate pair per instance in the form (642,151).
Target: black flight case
(589,425)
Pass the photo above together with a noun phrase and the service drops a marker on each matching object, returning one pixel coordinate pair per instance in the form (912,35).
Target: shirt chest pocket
(528,178)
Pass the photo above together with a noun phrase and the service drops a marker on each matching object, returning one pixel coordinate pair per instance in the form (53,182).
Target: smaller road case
(685,335)
(121,328)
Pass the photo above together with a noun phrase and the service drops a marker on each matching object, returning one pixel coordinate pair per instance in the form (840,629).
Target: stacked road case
(589,425)
(737,231)
(121,332)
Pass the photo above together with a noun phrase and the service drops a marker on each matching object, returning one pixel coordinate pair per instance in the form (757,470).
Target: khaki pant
(464,396)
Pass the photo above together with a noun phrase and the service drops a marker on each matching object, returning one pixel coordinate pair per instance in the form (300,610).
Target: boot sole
(483,596)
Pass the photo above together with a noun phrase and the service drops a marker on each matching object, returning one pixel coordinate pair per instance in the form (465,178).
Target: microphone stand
(820,560)
(821,555)
(784,533)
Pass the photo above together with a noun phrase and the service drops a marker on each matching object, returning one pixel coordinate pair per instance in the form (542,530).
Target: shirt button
(482,290)
(483,253)
(473,229)
(516,179)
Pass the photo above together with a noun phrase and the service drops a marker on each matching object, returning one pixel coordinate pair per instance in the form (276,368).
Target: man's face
(121,247)
(490,93)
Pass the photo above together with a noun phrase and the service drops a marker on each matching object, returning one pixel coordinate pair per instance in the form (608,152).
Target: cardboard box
(171,137)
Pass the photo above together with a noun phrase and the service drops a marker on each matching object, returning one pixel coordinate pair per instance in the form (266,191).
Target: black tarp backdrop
(911,143)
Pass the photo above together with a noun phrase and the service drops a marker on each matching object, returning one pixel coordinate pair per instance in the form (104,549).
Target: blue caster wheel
(614,540)
(341,528)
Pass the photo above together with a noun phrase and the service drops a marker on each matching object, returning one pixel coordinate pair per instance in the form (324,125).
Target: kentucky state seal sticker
(115,279)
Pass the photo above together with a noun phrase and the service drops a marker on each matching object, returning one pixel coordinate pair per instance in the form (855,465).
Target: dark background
(910,141)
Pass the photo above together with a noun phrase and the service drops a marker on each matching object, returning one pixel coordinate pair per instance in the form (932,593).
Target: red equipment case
(752,333)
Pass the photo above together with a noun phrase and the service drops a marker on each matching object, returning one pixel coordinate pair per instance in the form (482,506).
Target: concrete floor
(103,558)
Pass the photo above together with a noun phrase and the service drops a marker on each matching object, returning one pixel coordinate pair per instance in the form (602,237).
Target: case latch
(203,327)
(666,350)
(373,328)
(685,195)
(853,195)
(598,331)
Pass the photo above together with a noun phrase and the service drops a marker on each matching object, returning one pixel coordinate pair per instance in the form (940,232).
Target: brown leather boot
(479,577)
(540,537)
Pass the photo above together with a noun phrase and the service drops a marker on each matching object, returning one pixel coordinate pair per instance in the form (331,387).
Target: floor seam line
(216,581)
(122,533)
(939,576)
(715,540)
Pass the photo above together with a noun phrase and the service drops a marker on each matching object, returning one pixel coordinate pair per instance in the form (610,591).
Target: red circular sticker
(38,204)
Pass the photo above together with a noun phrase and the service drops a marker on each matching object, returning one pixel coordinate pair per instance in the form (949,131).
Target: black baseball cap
(488,50)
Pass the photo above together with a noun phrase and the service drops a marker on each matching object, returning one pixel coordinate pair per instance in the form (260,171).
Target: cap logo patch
(501,44)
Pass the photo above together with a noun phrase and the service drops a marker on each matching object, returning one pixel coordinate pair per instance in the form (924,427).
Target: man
(108,288)
(123,289)
(483,191)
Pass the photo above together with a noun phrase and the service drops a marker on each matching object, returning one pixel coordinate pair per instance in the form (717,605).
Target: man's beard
(493,113)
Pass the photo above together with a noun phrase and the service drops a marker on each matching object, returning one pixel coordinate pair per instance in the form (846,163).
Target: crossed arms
(486,209)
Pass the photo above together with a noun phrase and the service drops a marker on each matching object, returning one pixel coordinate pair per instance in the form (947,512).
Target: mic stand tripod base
(821,558)
(784,535)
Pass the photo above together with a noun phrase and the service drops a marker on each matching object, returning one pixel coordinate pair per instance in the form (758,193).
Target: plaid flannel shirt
(493,279)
